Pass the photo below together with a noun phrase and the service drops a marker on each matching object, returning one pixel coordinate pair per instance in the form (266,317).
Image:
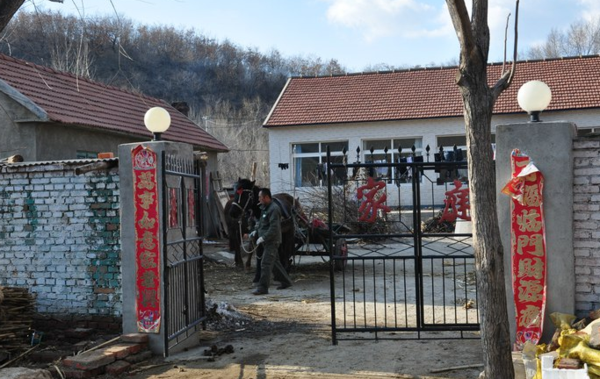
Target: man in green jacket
(268,231)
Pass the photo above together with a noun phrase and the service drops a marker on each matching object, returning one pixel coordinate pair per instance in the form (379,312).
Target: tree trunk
(7,10)
(478,101)
(489,254)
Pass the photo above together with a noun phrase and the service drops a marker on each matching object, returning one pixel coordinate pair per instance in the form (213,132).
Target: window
(86,154)
(310,159)
(398,150)
(448,143)
(588,132)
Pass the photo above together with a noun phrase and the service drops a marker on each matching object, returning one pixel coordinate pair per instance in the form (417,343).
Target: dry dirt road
(287,334)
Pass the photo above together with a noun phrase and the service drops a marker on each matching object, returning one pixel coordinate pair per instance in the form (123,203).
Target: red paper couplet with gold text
(528,248)
(147,246)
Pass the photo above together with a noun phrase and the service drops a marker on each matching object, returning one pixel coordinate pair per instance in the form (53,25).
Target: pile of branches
(436,225)
(345,210)
(16,316)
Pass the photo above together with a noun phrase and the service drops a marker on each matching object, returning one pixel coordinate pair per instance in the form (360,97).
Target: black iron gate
(409,272)
(183,257)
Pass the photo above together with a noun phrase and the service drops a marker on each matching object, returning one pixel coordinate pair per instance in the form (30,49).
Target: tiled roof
(426,93)
(71,100)
(63,162)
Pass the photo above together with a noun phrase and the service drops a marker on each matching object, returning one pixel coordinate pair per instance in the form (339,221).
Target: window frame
(320,154)
(85,154)
(417,142)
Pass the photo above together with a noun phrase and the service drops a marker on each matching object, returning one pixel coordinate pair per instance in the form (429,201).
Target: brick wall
(586,211)
(60,236)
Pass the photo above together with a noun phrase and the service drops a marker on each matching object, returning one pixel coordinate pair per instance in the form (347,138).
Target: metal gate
(408,274)
(185,310)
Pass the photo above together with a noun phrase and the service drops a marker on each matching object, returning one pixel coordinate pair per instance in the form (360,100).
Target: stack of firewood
(436,225)
(16,312)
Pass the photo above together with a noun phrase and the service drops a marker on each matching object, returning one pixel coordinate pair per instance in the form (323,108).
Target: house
(46,115)
(401,109)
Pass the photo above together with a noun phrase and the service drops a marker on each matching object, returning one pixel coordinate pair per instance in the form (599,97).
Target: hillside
(229,88)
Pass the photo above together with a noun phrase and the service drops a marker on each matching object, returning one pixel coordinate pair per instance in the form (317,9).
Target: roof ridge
(432,68)
(68,74)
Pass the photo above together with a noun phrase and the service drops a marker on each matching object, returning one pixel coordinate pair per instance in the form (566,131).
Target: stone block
(137,347)
(135,338)
(89,361)
(117,368)
(119,351)
(137,358)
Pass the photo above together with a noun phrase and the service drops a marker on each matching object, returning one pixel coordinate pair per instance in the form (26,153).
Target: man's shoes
(284,286)
(258,291)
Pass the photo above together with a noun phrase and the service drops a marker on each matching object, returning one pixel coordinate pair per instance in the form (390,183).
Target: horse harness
(286,215)
(248,201)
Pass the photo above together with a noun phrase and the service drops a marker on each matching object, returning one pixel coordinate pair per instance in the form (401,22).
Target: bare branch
(505,38)
(462,25)
(507,77)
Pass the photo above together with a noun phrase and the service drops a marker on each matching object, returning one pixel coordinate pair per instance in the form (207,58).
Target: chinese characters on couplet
(528,248)
(147,247)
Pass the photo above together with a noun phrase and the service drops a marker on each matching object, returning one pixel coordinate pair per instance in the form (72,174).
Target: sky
(359,34)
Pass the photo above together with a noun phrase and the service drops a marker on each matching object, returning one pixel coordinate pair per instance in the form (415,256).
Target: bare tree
(240,129)
(478,100)
(582,38)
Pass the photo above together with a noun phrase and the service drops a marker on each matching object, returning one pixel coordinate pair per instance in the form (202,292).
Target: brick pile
(112,360)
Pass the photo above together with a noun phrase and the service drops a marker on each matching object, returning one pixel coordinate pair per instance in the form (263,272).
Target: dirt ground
(287,334)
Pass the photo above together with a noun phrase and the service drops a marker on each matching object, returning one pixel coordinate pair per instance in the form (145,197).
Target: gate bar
(334,340)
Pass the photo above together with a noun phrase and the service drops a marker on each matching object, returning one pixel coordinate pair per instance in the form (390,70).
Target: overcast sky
(358,33)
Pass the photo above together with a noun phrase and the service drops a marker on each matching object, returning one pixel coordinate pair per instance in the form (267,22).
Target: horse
(236,228)
(245,201)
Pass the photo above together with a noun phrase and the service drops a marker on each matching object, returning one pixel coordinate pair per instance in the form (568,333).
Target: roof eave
(359,121)
(276,102)
(24,101)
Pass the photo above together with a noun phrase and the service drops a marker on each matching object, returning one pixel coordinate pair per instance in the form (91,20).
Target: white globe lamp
(157,121)
(533,97)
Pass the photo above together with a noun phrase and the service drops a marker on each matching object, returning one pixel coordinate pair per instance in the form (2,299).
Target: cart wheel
(340,250)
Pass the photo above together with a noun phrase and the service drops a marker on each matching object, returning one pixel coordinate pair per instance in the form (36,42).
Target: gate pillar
(550,147)
(142,261)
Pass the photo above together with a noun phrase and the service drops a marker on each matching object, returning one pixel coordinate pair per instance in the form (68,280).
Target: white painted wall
(282,138)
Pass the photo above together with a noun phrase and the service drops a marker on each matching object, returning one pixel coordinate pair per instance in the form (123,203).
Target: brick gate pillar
(142,238)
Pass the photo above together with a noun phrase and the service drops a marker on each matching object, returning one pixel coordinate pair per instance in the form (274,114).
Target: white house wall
(282,138)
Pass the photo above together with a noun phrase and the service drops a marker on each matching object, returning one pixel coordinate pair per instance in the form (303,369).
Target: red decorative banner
(191,204)
(528,248)
(374,200)
(173,208)
(147,244)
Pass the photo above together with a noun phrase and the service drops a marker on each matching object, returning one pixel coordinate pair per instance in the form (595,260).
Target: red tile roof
(70,100)
(426,93)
